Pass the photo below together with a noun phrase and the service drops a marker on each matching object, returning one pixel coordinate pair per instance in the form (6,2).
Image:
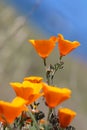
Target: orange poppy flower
(33,79)
(44,47)
(27,90)
(65,116)
(66,46)
(54,95)
(10,110)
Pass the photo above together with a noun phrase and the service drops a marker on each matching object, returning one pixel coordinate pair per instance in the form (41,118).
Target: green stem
(61,128)
(53,74)
(44,59)
(60,58)
(48,78)
(8,128)
(47,71)
(7,125)
(49,112)
(34,121)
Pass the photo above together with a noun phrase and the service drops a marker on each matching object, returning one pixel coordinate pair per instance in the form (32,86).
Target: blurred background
(21,20)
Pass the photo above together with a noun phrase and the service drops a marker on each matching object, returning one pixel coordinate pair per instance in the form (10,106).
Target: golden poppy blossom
(27,90)
(54,95)
(33,79)
(44,47)
(10,110)
(66,46)
(65,116)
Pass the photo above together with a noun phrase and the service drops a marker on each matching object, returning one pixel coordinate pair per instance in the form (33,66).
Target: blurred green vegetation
(18,59)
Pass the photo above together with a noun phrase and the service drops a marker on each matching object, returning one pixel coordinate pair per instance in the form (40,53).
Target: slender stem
(48,77)
(61,128)
(44,59)
(8,128)
(60,58)
(34,121)
(50,111)
(47,71)
(7,124)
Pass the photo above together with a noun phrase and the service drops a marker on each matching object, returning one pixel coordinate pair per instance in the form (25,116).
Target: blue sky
(68,17)
(74,10)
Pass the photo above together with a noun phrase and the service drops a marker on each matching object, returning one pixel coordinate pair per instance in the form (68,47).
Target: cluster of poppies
(33,88)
